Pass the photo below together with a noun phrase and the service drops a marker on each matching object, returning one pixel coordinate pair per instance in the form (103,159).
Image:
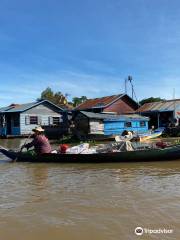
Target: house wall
(96,126)
(81,125)
(117,127)
(15,130)
(44,109)
(121,106)
(44,113)
(2,131)
(2,128)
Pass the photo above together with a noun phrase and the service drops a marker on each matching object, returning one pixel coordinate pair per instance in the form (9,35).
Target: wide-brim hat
(38,129)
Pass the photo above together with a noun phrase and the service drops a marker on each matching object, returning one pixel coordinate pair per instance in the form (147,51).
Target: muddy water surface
(83,202)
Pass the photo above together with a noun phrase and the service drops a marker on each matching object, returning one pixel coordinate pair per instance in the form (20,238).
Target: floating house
(19,120)
(89,123)
(162,114)
(132,122)
(117,104)
(86,123)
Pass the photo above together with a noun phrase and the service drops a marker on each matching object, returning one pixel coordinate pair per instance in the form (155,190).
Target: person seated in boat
(127,134)
(152,129)
(40,142)
(130,134)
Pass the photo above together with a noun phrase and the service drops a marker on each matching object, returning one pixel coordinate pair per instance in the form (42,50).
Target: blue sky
(88,47)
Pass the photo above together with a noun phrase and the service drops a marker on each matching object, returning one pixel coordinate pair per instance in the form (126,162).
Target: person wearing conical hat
(40,142)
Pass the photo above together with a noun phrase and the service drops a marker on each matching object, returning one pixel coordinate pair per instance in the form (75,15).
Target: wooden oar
(25,142)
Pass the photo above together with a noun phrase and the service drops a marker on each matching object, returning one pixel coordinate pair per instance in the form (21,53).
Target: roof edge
(36,104)
(42,101)
(118,97)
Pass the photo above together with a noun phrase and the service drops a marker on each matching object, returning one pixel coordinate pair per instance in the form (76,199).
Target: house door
(9,126)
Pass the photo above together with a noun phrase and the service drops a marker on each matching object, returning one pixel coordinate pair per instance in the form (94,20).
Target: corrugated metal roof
(97,115)
(98,102)
(109,117)
(4,109)
(162,106)
(23,107)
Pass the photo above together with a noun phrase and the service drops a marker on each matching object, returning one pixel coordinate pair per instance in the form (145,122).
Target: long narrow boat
(169,153)
(148,136)
(143,137)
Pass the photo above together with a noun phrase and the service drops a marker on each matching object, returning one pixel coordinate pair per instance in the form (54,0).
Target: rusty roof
(99,102)
(162,106)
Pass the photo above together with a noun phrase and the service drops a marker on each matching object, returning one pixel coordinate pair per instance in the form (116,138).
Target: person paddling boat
(40,142)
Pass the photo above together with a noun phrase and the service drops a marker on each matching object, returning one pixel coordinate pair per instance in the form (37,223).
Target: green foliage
(151,99)
(78,100)
(59,99)
(56,97)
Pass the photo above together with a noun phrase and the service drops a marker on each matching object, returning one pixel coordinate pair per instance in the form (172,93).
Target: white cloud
(27,86)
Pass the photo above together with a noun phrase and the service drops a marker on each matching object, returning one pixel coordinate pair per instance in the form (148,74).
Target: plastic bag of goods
(78,149)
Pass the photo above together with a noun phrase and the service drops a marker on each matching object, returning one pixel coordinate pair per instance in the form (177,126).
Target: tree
(56,97)
(47,94)
(59,99)
(78,100)
(151,99)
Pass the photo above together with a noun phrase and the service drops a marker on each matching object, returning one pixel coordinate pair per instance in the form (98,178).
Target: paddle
(25,143)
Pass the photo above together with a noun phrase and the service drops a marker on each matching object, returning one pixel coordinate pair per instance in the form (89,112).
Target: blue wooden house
(19,120)
(89,123)
(132,122)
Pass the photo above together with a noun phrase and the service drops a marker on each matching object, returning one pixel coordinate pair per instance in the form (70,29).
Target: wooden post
(158,118)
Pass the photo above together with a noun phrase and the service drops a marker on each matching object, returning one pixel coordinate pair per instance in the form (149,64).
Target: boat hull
(149,136)
(167,154)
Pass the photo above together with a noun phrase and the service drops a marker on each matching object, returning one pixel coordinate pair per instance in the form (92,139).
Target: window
(56,120)
(142,123)
(33,120)
(128,124)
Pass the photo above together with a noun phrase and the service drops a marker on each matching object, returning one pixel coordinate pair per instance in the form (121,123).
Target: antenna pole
(125,84)
(174,93)
(130,80)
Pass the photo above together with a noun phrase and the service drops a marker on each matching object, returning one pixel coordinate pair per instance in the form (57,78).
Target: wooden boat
(148,136)
(140,137)
(168,153)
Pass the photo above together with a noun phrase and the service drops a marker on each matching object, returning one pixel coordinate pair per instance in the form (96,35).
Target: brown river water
(90,201)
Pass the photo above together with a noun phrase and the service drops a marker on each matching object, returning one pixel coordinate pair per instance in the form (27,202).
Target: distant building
(163,113)
(117,104)
(87,124)
(19,120)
